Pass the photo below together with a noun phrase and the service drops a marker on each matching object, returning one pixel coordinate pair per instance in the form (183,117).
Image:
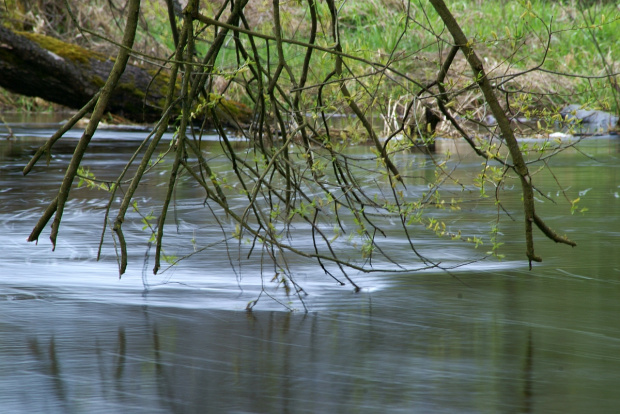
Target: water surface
(489,337)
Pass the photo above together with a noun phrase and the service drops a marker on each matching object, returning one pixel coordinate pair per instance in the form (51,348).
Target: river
(490,337)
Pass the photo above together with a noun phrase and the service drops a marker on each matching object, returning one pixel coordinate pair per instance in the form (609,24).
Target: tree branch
(503,122)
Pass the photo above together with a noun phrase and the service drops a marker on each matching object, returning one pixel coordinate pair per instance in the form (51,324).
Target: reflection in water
(49,366)
(499,339)
(413,358)
(528,370)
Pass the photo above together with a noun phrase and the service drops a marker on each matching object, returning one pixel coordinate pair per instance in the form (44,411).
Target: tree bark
(59,72)
(120,63)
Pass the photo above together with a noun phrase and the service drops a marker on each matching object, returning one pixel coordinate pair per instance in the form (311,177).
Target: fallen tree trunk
(41,66)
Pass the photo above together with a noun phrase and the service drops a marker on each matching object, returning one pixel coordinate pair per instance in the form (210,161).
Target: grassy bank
(562,52)
(512,36)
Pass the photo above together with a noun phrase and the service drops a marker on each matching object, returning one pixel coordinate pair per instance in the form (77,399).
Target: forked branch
(503,122)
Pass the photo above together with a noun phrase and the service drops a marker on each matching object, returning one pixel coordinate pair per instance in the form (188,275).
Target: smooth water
(491,337)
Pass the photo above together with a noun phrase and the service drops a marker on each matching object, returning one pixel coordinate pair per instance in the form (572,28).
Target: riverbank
(541,55)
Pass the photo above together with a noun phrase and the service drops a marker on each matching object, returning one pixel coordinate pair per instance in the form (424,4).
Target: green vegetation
(555,38)
(76,53)
(512,36)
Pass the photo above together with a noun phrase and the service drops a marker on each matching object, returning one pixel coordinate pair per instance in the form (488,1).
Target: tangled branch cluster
(298,168)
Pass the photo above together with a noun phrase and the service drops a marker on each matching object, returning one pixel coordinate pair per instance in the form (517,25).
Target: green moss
(130,88)
(161,80)
(235,108)
(229,111)
(97,80)
(65,50)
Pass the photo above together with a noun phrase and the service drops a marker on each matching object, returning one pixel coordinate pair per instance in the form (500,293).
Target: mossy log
(63,73)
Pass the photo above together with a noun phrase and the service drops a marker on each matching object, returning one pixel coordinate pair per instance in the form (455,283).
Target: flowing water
(491,337)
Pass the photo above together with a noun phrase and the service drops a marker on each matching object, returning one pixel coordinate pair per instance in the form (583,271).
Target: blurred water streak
(74,338)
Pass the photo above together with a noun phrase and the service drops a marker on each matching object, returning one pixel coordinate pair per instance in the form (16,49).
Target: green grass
(511,36)
(515,27)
